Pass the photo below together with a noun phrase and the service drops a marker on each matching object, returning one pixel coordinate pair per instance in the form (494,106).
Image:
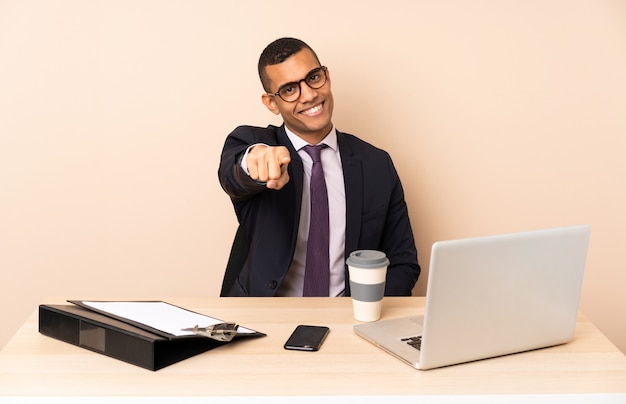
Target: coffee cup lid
(367,259)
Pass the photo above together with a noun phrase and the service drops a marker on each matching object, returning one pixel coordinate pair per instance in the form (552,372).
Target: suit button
(273,284)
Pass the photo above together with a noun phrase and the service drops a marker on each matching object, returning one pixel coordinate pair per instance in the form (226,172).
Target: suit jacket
(376,213)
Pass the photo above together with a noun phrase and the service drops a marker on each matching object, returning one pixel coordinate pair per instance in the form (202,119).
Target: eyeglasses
(290,92)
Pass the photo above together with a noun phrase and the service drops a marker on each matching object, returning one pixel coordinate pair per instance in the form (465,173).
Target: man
(271,179)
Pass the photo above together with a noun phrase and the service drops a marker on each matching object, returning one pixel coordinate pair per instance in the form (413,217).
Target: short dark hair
(277,52)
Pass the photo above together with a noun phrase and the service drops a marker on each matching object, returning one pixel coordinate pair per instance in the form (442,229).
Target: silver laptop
(491,296)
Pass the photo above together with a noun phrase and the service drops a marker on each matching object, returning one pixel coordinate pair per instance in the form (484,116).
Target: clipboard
(159,317)
(127,340)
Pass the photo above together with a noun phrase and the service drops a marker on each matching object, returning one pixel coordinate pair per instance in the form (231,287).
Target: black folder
(130,343)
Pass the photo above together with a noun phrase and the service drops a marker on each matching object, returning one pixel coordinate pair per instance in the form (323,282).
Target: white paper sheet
(159,315)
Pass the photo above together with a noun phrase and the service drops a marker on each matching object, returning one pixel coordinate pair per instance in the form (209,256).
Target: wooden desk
(35,365)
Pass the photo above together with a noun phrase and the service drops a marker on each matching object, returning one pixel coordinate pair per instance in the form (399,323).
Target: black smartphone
(307,338)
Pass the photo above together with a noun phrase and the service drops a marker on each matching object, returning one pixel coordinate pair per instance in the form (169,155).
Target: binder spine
(88,334)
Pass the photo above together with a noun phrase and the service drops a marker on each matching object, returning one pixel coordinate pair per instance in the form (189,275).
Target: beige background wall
(500,116)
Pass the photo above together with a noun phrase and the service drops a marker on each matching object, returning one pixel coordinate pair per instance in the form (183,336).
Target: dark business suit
(376,213)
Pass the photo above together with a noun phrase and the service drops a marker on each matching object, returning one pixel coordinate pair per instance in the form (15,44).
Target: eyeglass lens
(315,79)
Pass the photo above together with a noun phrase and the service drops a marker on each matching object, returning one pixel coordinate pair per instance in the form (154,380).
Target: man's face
(310,115)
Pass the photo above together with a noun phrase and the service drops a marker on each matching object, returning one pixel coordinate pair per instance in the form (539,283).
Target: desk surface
(35,365)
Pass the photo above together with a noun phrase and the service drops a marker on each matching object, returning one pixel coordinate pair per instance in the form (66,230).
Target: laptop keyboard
(415,342)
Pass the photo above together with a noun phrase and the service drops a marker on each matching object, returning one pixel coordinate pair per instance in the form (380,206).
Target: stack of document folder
(149,334)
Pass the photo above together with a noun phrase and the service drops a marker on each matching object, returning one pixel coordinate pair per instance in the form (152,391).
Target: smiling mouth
(313,111)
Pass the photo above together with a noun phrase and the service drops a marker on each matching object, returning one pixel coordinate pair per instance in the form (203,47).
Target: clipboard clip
(220,332)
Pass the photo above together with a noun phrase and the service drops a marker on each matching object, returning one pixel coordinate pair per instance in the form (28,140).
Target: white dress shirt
(333,175)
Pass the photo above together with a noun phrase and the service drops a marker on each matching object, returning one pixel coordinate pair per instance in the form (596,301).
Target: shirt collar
(330,140)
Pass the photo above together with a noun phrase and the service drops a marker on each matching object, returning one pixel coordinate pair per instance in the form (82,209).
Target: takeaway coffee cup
(367,270)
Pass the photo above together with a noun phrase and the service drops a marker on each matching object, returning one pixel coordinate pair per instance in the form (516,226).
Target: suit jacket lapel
(296,171)
(295,184)
(353,178)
